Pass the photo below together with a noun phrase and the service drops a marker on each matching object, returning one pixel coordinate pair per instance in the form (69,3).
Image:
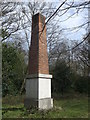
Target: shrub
(81,84)
(61,78)
(13,69)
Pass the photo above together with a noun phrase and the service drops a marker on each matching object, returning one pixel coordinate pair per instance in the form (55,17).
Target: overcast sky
(74,21)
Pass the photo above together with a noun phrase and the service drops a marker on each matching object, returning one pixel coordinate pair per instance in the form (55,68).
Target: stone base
(40,104)
(38,91)
(46,103)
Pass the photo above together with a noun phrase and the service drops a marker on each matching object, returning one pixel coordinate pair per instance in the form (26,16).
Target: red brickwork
(38,57)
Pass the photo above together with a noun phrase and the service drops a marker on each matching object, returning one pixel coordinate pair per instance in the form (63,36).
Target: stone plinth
(38,91)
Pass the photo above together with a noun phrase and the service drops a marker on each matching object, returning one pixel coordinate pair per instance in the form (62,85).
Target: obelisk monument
(38,82)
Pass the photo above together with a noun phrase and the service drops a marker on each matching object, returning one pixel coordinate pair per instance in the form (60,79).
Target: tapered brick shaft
(38,57)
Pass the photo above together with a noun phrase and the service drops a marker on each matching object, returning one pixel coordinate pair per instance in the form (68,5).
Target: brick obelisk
(38,82)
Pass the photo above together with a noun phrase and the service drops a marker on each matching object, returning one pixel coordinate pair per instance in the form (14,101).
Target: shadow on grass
(13,109)
(26,112)
(21,109)
(68,96)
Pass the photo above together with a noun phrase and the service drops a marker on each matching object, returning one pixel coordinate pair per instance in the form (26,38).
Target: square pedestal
(38,91)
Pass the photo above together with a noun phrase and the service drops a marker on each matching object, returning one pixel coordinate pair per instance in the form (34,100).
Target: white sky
(74,21)
(42,0)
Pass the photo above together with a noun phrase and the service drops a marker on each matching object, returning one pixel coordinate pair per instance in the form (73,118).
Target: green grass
(64,107)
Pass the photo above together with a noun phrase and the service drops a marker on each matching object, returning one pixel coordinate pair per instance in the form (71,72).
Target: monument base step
(46,103)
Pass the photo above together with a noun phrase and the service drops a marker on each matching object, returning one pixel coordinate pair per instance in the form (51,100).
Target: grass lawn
(64,107)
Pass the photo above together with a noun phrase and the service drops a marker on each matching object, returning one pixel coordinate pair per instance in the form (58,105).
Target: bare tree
(17,21)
